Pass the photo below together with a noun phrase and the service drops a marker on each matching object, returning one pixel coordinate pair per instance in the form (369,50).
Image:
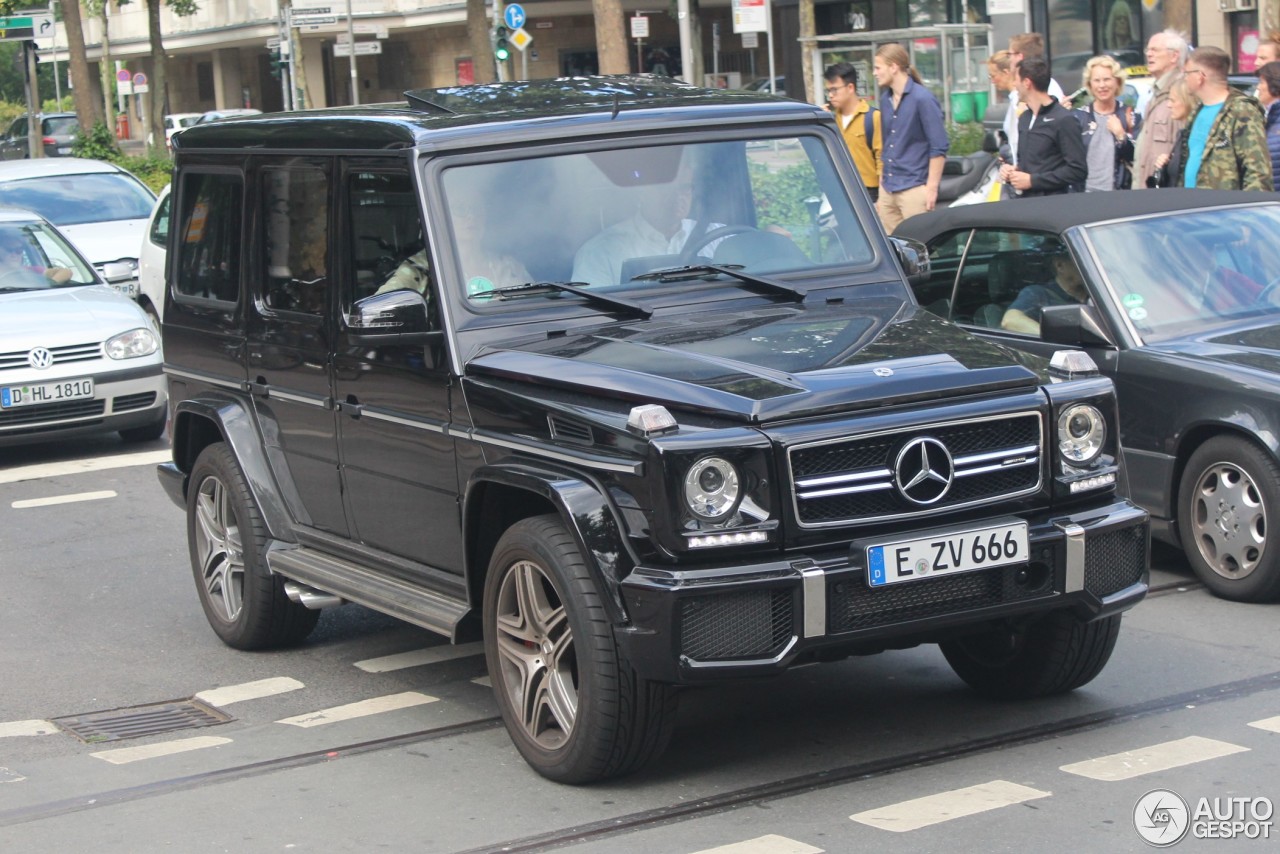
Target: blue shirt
(1032,299)
(1197,139)
(913,134)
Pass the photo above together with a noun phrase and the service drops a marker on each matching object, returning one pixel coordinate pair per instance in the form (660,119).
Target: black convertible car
(1176,296)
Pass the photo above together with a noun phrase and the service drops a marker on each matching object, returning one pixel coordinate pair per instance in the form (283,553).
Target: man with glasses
(1166,54)
(1226,146)
(859,123)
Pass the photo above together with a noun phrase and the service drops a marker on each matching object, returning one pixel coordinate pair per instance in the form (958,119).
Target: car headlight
(712,489)
(132,344)
(1081,433)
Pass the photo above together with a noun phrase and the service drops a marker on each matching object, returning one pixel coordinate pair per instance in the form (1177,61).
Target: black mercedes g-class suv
(623,377)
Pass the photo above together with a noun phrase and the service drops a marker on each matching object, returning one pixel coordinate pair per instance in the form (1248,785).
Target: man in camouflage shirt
(1225,143)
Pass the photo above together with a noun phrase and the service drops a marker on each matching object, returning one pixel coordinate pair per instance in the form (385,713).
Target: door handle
(350,406)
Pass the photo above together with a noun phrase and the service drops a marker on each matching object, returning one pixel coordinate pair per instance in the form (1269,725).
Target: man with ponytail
(915,139)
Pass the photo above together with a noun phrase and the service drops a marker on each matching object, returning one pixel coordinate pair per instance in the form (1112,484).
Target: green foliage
(97,143)
(780,194)
(154,170)
(965,138)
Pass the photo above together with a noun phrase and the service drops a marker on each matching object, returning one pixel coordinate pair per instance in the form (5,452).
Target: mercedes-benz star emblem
(924,470)
(40,358)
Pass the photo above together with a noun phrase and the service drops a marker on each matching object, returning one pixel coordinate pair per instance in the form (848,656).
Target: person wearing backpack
(1106,127)
(859,122)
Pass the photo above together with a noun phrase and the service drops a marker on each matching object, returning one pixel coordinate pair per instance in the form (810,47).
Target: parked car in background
(57,132)
(761,84)
(151,259)
(175,122)
(102,208)
(76,357)
(1183,314)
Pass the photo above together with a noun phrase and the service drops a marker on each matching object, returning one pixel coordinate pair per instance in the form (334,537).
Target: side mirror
(1076,325)
(116,271)
(914,258)
(397,317)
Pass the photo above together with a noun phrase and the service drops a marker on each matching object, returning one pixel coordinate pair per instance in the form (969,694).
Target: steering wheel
(696,245)
(1266,296)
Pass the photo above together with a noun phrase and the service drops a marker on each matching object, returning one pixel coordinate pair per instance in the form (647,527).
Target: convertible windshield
(1179,273)
(612,219)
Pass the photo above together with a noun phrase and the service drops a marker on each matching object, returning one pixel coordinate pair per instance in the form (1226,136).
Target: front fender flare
(236,426)
(582,505)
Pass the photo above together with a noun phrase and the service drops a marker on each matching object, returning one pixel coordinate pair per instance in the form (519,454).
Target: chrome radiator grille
(918,470)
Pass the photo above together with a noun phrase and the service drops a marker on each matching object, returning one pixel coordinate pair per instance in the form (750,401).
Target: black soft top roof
(1059,213)
(485,110)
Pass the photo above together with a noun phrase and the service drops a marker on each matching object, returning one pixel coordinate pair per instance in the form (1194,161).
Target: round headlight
(132,344)
(1081,432)
(711,488)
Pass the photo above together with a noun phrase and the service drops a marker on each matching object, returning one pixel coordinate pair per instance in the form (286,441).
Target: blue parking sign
(514,16)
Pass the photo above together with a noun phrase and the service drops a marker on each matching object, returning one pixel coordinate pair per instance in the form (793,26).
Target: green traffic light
(502,53)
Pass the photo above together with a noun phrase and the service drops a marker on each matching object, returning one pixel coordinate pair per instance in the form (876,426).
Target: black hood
(772,363)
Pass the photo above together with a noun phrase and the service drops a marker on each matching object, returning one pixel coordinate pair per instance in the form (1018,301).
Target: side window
(210,236)
(944,262)
(1000,263)
(388,251)
(159,233)
(296,214)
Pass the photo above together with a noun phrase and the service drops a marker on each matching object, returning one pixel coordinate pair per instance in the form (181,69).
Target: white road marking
(419,657)
(7,776)
(377,705)
(944,806)
(229,694)
(40,470)
(13,728)
(1269,724)
(483,680)
(63,499)
(1157,757)
(125,755)
(771,844)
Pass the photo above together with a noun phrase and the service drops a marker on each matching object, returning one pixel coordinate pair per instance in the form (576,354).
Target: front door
(394,401)
(290,335)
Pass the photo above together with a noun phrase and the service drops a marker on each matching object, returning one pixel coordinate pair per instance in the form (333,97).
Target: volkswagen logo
(40,358)
(924,471)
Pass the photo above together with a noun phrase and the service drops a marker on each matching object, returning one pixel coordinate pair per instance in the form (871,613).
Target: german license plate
(30,395)
(945,552)
(64,149)
(128,289)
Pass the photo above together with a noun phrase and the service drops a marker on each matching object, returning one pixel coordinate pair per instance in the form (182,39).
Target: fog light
(1095,482)
(741,538)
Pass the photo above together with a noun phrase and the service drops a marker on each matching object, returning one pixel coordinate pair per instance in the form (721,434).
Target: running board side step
(354,583)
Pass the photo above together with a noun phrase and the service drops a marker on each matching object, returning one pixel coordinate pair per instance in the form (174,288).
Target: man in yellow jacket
(859,122)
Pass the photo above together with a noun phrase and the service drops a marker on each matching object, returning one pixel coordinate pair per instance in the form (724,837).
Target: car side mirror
(116,271)
(914,258)
(396,317)
(1076,325)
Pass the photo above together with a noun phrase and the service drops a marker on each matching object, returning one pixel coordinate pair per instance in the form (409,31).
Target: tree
(611,44)
(478,38)
(83,91)
(159,75)
(809,28)
(99,9)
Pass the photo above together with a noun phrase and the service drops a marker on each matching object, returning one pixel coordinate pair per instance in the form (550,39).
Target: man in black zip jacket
(1051,156)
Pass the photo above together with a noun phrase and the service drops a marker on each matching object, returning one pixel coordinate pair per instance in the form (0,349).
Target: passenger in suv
(747,451)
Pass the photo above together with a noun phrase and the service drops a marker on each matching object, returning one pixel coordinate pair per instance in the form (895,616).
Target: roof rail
(417,102)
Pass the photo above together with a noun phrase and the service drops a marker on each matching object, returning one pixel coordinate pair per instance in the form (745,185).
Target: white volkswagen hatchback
(76,357)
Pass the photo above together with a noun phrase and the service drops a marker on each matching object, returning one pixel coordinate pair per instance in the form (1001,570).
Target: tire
(573,706)
(145,433)
(1055,654)
(245,604)
(1226,488)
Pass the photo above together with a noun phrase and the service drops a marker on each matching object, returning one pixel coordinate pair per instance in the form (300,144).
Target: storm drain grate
(137,721)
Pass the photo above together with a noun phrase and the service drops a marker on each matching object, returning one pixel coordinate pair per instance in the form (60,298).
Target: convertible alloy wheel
(219,549)
(538,663)
(1227,486)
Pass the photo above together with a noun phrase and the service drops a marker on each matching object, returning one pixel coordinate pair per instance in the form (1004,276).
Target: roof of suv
(437,112)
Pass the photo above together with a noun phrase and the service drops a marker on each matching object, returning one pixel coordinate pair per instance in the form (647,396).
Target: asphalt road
(375,734)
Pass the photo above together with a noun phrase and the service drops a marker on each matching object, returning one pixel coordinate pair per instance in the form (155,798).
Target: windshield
(34,257)
(1180,273)
(606,220)
(79,199)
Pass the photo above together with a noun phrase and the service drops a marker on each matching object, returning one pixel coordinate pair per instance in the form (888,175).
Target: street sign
(750,16)
(124,75)
(21,27)
(140,86)
(521,38)
(639,27)
(345,37)
(362,48)
(313,15)
(378,30)
(514,16)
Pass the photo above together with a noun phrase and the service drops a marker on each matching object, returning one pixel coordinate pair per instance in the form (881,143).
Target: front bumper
(133,397)
(697,625)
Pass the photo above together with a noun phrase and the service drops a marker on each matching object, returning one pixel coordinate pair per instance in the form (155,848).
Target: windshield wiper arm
(675,274)
(638,309)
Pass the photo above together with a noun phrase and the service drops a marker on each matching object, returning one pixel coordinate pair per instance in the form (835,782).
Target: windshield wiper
(697,271)
(638,309)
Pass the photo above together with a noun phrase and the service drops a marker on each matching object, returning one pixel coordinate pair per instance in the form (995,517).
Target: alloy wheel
(219,549)
(1229,520)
